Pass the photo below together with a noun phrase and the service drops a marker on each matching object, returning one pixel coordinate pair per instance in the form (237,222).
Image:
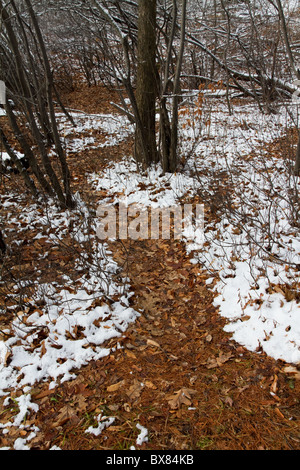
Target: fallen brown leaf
(293,371)
(134,391)
(181,397)
(228,401)
(116,386)
(274,385)
(150,342)
(66,413)
(44,393)
(213,362)
(130,354)
(149,384)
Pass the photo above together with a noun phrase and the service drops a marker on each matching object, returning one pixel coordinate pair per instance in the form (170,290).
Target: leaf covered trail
(174,372)
(177,374)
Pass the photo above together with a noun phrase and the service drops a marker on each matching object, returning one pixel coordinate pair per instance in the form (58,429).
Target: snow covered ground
(256,263)
(110,124)
(257,318)
(69,323)
(255,247)
(251,286)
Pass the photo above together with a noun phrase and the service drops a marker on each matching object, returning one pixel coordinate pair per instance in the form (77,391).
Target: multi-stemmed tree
(147,88)
(29,106)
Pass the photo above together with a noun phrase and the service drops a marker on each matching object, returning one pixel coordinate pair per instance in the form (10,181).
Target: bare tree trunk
(26,88)
(297,163)
(2,244)
(296,71)
(144,100)
(169,128)
(176,91)
(146,90)
(225,54)
(38,104)
(49,89)
(284,30)
(149,87)
(165,124)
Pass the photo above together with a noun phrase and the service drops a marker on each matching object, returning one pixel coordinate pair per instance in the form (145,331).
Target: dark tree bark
(146,90)
(2,245)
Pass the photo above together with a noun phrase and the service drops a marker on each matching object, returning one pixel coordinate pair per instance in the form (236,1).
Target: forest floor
(174,372)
